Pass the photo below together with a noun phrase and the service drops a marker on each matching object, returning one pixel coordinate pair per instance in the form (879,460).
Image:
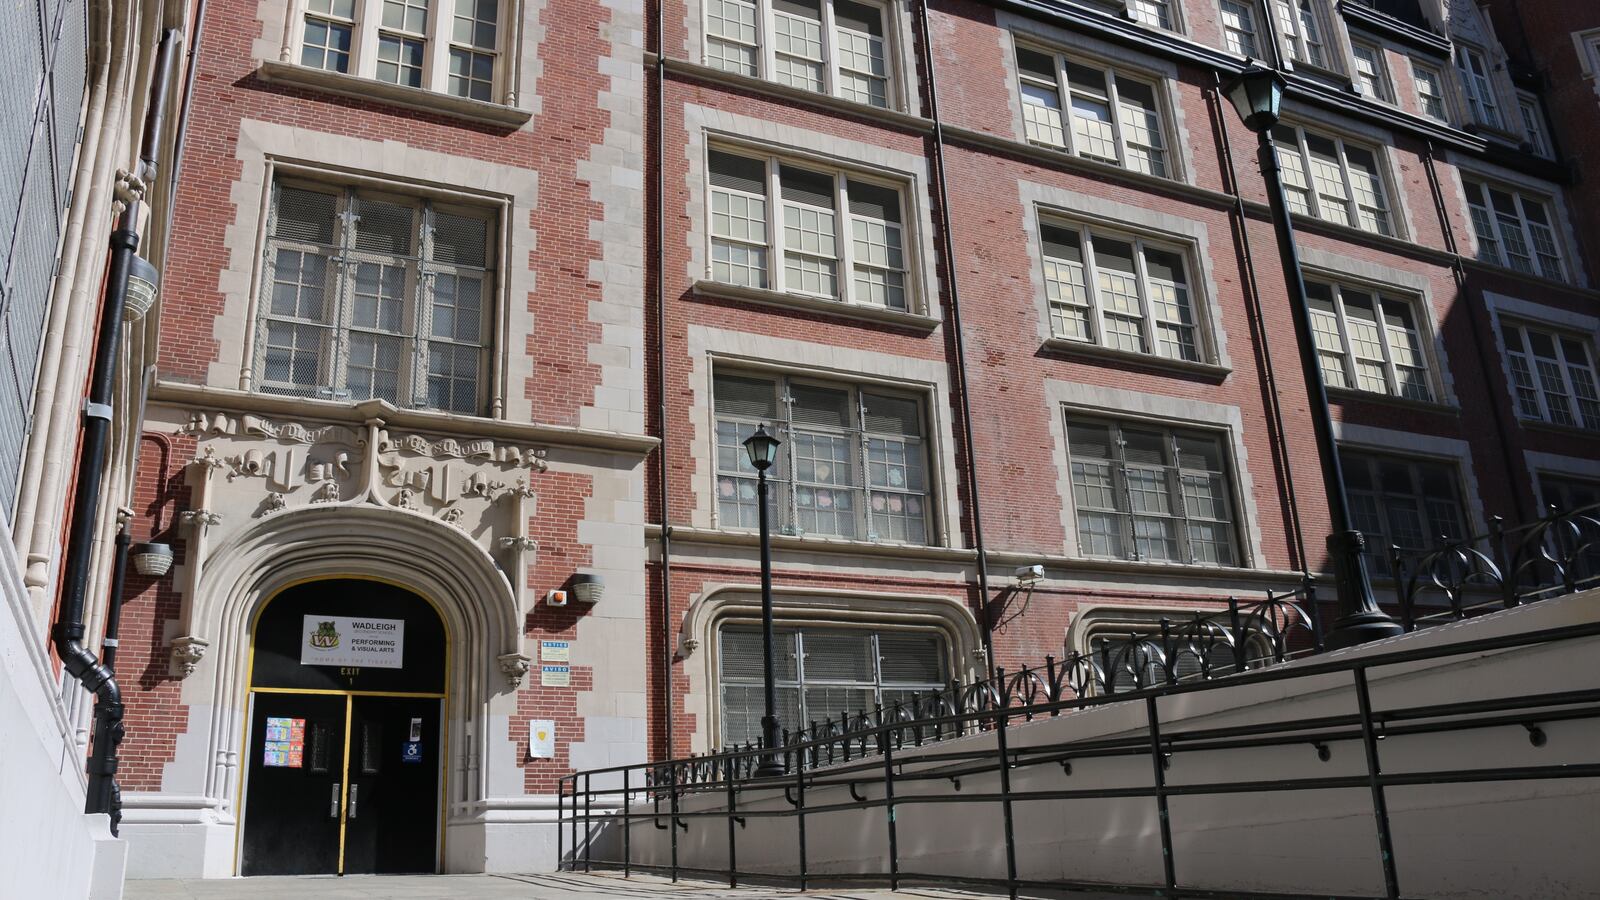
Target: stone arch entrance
(345,746)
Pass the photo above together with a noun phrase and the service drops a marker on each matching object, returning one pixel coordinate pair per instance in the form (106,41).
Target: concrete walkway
(503,887)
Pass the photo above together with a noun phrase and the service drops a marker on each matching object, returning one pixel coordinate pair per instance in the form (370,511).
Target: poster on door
(284,746)
(348,641)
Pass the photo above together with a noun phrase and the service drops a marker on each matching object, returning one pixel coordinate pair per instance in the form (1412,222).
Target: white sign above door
(349,641)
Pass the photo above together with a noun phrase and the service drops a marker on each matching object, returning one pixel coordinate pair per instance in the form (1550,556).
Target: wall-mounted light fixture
(143,280)
(587,587)
(152,559)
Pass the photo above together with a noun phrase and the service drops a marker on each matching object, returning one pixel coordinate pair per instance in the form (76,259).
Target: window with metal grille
(1430,91)
(836,47)
(1514,229)
(1552,375)
(1239,27)
(450,46)
(852,463)
(831,234)
(1300,24)
(822,673)
(1332,179)
(1367,341)
(1091,111)
(1477,84)
(1119,291)
(1371,73)
(1148,492)
(1400,502)
(374,295)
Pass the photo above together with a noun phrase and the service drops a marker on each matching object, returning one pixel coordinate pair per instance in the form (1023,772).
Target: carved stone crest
(187,651)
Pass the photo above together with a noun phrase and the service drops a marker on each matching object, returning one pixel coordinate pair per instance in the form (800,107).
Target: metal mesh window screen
(822,673)
(376,297)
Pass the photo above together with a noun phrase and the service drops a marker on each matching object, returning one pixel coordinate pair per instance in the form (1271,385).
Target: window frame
(1482,210)
(1148,321)
(1292,27)
(367,33)
(784,487)
(1353,206)
(1564,482)
(1372,459)
(1250,37)
(1173,478)
(775,270)
(1531,111)
(1381,84)
(766,53)
(1435,74)
(1478,87)
(1350,360)
(1065,93)
(1534,375)
(339,288)
(1169,8)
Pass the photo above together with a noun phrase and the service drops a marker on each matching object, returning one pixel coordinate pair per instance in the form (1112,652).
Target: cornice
(1387,26)
(275,72)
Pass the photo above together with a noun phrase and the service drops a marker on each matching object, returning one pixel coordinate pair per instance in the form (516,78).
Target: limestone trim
(1065,396)
(400,95)
(1567,235)
(1502,307)
(1043,200)
(1391,442)
(929,378)
(719,604)
(1561,466)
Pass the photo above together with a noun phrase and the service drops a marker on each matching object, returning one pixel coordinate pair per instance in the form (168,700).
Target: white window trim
(1069,398)
(1432,448)
(1569,468)
(1291,44)
(1252,9)
(1385,82)
(1051,202)
(436,59)
(1519,311)
(1385,184)
(1175,16)
(896,64)
(1536,131)
(1113,72)
(1566,235)
(1522,197)
(1441,81)
(1587,46)
(1338,284)
(1477,111)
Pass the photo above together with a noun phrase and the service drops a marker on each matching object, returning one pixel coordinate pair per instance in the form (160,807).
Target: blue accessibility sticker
(411,752)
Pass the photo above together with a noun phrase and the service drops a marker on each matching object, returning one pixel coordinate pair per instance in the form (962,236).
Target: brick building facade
(479,298)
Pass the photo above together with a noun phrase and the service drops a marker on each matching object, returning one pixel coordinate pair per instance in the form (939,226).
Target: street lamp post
(1257,95)
(762,449)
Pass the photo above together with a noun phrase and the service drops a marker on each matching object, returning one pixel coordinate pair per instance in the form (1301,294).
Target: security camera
(1030,574)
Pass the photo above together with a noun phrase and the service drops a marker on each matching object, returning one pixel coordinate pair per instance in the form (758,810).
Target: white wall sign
(542,739)
(555,676)
(346,641)
(555,651)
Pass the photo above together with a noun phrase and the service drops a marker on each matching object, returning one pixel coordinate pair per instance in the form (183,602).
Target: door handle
(352,808)
(333,810)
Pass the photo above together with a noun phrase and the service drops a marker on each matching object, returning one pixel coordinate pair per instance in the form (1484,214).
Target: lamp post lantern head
(762,448)
(1257,95)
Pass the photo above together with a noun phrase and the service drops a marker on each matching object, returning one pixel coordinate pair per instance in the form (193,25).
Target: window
(1155,13)
(1302,33)
(1430,90)
(1239,27)
(1372,76)
(1118,291)
(372,295)
(1533,124)
(1568,494)
(1479,89)
(1399,502)
(1114,118)
(1368,342)
(1146,492)
(853,461)
(833,47)
(1332,179)
(1552,375)
(823,673)
(451,46)
(1513,230)
(831,235)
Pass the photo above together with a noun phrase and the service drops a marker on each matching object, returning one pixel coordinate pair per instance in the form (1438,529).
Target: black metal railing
(1505,568)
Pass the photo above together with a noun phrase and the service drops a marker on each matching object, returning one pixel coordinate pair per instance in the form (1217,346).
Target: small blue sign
(411,752)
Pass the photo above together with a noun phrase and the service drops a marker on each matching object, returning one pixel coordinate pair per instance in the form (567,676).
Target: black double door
(342,784)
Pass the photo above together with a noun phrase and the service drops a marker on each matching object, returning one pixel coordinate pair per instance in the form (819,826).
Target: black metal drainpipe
(1485,366)
(926,51)
(662,473)
(68,631)
(119,572)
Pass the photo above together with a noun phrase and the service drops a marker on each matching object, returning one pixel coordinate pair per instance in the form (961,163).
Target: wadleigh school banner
(344,641)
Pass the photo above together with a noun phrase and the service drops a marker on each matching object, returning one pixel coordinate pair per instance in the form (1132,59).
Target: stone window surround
(1587,45)
(1063,398)
(1501,306)
(1566,235)
(265,150)
(1447,97)
(1431,448)
(1379,141)
(1161,74)
(926,379)
(719,604)
(1092,619)
(1052,202)
(1398,284)
(1560,466)
(706,126)
(515,101)
(897,39)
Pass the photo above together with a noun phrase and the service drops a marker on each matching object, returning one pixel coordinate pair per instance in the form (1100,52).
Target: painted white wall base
(500,847)
(177,850)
